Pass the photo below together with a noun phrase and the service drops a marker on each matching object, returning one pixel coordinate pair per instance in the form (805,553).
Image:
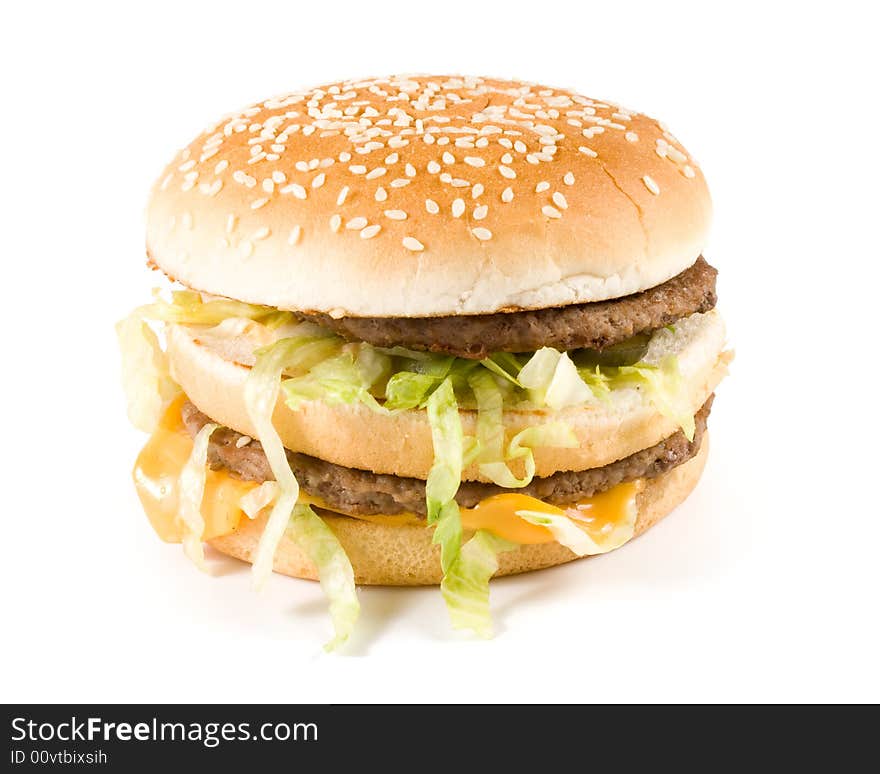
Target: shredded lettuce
(552,380)
(335,573)
(258,498)
(191,491)
(465,586)
(444,477)
(260,394)
(492,459)
(506,365)
(566,531)
(146,379)
(556,434)
(188,308)
(598,382)
(408,390)
(664,388)
(338,380)
(302,524)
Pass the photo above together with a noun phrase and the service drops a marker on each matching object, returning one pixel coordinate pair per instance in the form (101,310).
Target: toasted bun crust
(428,195)
(404,556)
(401,444)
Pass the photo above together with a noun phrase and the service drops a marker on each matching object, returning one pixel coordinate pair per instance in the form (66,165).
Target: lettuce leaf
(146,379)
(556,434)
(335,572)
(492,458)
(465,586)
(408,390)
(188,308)
(444,477)
(191,490)
(552,380)
(258,498)
(260,394)
(338,380)
(567,532)
(664,389)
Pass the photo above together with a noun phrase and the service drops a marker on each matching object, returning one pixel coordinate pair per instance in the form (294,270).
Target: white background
(762,587)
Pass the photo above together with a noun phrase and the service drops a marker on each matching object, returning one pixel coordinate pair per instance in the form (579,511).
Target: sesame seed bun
(404,555)
(428,195)
(400,444)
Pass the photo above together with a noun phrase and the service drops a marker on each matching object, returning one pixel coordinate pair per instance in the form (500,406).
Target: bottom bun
(404,556)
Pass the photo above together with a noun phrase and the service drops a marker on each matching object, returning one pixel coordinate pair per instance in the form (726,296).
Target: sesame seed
(568,179)
(357,169)
(381,194)
(507,159)
(431,206)
(343,194)
(477,190)
(318,180)
(296,189)
(448,158)
(257,203)
(688,171)
(356,224)
(269,185)
(520,147)
(242,441)
(474,161)
(260,233)
(335,222)
(400,182)
(210,189)
(507,172)
(433,167)
(295,234)
(551,212)
(559,200)
(246,248)
(588,151)
(676,155)
(395,214)
(542,186)
(631,137)
(377,172)
(370,231)
(231,223)
(481,233)
(507,195)
(651,185)
(481,212)
(458,208)
(410,170)
(413,244)
(392,158)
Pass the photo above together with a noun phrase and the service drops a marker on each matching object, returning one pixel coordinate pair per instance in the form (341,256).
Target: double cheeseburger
(424,329)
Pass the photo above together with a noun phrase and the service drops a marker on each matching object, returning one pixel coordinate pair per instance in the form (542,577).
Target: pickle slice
(624,353)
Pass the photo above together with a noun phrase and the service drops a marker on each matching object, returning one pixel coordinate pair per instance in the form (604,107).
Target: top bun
(417,196)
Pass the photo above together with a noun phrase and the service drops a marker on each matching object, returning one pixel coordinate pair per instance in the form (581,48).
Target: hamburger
(423,330)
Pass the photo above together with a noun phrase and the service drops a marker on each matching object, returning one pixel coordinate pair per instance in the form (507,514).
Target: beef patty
(362,492)
(594,325)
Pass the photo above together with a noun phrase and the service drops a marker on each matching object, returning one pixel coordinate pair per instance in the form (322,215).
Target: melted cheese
(155,474)
(159,464)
